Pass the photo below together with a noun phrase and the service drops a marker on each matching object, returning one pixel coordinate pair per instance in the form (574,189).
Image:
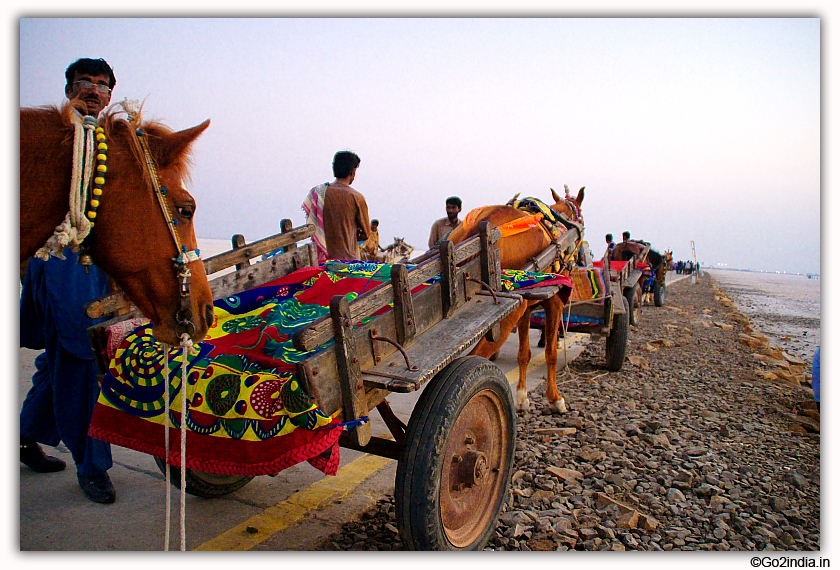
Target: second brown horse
(515,252)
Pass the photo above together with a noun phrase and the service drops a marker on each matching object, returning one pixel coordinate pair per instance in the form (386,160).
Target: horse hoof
(523,404)
(558,407)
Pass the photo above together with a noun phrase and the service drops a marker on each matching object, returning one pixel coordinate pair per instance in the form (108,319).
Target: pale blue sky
(680,129)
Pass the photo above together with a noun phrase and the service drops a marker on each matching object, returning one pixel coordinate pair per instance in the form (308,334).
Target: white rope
(76,226)
(186,343)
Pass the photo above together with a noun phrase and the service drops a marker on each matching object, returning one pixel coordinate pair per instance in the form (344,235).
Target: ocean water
(785,308)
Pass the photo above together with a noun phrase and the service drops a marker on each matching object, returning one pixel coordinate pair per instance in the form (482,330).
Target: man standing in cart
(444,226)
(346,219)
(65,386)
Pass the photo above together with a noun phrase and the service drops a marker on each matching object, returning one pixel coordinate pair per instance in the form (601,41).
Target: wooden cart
(456,454)
(612,308)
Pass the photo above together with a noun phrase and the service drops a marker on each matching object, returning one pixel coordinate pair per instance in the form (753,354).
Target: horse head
(131,239)
(568,206)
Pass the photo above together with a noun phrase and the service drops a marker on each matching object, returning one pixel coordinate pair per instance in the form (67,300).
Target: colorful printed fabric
(247,415)
(588,283)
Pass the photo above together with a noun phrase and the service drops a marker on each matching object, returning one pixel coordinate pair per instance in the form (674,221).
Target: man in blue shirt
(65,386)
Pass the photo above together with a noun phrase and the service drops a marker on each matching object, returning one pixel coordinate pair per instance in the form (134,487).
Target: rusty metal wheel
(454,472)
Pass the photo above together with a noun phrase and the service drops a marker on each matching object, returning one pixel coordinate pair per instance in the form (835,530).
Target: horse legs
(523,357)
(553,312)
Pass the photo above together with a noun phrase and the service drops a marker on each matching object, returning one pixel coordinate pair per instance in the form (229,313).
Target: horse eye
(186,212)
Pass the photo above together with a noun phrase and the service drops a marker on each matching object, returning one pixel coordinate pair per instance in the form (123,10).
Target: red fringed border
(204,453)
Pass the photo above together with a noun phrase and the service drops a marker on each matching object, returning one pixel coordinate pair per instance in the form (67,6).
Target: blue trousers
(65,386)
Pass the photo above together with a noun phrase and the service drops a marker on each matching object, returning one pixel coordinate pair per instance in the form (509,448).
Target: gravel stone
(698,450)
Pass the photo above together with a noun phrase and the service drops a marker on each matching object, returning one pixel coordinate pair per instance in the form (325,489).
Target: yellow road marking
(283,515)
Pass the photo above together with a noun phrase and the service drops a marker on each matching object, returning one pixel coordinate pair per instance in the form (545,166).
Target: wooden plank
(428,315)
(264,271)
(257,248)
(448,283)
(588,309)
(110,303)
(403,305)
(441,344)
(238,242)
(285,228)
(349,372)
(320,331)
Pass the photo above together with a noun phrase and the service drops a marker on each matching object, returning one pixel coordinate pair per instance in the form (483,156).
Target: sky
(680,129)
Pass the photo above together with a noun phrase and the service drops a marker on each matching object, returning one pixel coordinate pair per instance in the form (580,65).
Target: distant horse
(648,281)
(399,251)
(515,252)
(131,240)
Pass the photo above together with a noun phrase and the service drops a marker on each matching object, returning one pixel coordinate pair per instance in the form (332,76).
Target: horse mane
(154,131)
(655,258)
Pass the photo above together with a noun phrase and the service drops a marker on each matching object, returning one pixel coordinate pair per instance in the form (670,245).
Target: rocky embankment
(707,439)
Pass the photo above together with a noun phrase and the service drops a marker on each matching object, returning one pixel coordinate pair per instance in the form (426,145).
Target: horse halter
(183,318)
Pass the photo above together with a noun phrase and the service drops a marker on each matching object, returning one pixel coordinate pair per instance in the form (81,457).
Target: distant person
(371,247)
(65,386)
(627,248)
(444,226)
(610,247)
(815,377)
(339,212)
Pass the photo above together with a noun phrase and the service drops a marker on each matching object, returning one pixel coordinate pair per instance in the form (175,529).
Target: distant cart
(455,456)
(606,315)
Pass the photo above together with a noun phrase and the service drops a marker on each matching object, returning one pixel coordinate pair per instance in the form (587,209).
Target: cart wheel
(201,484)
(634,299)
(617,339)
(455,467)
(658,294)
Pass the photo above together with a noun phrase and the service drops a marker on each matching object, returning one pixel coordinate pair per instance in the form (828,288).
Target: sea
(783,307)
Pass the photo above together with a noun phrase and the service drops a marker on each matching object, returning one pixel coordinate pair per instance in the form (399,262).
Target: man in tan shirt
(346,220)
(445,225)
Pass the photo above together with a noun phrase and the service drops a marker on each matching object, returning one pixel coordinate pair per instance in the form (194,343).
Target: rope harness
(76,226)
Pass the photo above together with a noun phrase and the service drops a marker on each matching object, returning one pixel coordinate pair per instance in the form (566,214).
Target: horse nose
(208,314)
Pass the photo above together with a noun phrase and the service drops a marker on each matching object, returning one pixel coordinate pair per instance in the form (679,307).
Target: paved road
(292,511)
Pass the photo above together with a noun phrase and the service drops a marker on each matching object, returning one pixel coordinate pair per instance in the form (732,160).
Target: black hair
(609,237)
(454,200)
(87,66)
(374,221)
(344,162)
(625,235)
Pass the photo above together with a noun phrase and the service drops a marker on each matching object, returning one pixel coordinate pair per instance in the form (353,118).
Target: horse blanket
(587,284)
(246,413)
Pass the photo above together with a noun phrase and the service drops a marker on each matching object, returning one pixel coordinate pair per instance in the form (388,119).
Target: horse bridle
(183,318)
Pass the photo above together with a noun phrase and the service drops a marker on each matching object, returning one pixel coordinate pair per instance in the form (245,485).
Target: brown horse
(515,252)
(131,240)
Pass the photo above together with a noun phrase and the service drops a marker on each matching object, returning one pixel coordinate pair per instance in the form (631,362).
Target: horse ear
(173,147)
(557,199)
(579,199)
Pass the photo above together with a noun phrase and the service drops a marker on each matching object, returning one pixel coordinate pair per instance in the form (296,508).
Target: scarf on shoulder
(313,207)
